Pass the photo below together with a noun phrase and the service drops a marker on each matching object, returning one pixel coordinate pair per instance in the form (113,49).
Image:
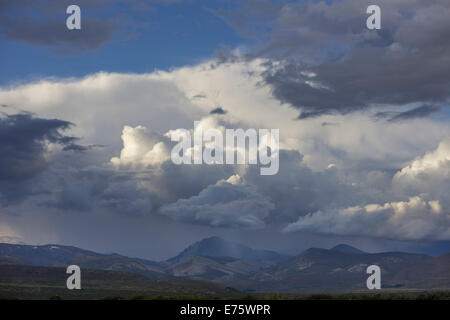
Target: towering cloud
(142,148)
(428,174)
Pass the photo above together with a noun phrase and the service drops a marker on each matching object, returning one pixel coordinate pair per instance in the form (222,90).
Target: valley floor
(48,283)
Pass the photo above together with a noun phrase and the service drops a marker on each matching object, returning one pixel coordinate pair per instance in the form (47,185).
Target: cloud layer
(339,175)
(325,61)
(411,220)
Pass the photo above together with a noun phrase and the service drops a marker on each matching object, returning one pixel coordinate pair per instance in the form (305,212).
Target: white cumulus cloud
(414,219)
(141,148)
(428,174)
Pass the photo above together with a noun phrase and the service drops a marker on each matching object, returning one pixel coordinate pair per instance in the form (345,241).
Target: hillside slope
(33,282)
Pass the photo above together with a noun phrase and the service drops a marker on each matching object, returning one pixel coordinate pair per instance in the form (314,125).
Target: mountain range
(341,268)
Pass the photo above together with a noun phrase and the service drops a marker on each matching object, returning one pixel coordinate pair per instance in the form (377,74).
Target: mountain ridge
(345,248)
(217,247)
(52,255)
(213,259)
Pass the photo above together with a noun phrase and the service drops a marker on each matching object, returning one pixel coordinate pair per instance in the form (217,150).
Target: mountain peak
(213,239)
(217,247)
(345,248)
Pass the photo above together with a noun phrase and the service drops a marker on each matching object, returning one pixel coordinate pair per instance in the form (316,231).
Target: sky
(86,117)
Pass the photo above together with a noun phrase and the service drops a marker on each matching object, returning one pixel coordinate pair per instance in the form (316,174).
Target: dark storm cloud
(252,200)
(97,188)
(299,190)
(129,193)
(52,32)
(419,112)
(80,148)
(44,22)
(325,60)
(23,148)
(224,204)
(218,110)
(23,141)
